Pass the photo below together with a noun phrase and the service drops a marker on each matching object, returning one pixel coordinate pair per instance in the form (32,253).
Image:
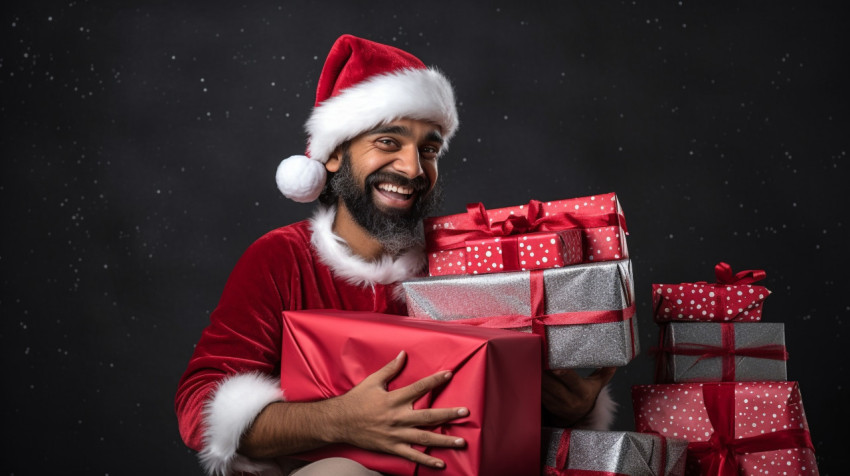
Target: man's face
(387,179)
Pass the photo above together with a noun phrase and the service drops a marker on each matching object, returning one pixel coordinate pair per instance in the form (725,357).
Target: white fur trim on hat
(234,406)
(335,253)
(300,178)
(423,94)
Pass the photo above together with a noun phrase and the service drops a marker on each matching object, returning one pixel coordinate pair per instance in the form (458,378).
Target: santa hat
(363,85)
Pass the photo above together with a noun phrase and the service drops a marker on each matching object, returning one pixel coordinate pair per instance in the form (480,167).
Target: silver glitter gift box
(618,452)
(716,352)
(579,293)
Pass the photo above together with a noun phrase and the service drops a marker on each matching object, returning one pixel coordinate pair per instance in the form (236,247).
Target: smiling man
(379,126)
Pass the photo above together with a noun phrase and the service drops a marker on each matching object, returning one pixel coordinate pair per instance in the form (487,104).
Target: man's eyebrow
(394,129)
(432,136)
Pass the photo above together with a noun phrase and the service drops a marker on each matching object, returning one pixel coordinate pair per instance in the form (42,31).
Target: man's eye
(430,151)
(387,143)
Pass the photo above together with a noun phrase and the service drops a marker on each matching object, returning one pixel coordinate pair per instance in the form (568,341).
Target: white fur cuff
(234,406)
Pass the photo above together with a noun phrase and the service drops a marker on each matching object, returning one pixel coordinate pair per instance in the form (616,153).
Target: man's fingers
(406,451)
(426,438)
(437,416)
(387,372)
(569,377)
(415,390)
(603,374)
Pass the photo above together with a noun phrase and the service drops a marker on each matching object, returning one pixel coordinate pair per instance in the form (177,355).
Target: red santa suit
(234,371)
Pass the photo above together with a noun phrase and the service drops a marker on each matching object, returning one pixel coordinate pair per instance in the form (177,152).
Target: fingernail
(459,442)
(399,355)
(440,464)
(462,411)
(447,375)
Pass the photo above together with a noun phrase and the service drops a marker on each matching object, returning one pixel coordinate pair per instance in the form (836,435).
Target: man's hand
(568,397)
(373,418)
(367,416)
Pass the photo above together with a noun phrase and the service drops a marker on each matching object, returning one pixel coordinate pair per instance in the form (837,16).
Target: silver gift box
(692,368)
(621,452)
(585,287)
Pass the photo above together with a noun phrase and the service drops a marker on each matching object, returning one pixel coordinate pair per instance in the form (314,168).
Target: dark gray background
(140,140)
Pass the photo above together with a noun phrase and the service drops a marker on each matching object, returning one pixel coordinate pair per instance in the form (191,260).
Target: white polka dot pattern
(708,302)
(587,245)
(533,251)
(679,410)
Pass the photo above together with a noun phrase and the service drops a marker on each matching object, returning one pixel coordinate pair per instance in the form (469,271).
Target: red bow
(717,456)
(479,227)
(724,275)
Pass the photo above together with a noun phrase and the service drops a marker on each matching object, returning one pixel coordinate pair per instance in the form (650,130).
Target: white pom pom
(301,178)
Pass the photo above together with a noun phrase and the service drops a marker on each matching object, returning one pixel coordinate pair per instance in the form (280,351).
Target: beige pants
(333,467)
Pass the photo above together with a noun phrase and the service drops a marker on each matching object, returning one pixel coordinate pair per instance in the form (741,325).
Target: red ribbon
(718,455)
(726,351)
(724,275)
(479,227)
(561,456)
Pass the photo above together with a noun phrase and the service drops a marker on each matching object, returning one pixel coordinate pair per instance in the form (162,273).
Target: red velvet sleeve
(244,334)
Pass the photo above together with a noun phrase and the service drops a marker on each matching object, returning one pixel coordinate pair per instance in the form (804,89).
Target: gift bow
(724,275)
(480,226)
(717,456)
(726,351)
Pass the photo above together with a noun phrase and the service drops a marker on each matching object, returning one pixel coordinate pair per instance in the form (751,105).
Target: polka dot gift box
(539,235)
(732,298)
(733,428)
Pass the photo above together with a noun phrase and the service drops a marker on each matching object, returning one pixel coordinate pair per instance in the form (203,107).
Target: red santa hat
(363,85)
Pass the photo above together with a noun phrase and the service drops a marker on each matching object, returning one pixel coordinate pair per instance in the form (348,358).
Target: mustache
(418,184)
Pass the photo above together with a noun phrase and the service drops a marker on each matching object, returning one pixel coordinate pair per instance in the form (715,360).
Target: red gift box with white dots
(708,302)
(534,250)
(746,428)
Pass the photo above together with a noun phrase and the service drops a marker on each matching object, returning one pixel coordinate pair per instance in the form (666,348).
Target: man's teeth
(395,188)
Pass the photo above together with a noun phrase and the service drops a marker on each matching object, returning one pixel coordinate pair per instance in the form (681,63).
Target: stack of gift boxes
(721,380)
(560,270)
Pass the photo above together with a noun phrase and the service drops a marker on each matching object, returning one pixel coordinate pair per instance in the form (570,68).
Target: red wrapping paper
(496,376)
(539,235)
(733,428)
(515,253)
(731,298)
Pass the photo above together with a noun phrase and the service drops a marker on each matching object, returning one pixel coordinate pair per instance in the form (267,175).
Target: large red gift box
(496,375)
(539,235)
(732,298)
(734,428)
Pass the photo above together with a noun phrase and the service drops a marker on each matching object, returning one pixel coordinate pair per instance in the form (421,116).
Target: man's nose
(408,162)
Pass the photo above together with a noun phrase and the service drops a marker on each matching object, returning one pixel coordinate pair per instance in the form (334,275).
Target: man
(380,124)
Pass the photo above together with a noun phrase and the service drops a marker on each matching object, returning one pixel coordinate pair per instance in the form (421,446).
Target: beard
(396,230)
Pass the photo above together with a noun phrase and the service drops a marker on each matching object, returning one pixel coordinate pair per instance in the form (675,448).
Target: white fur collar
(334,252)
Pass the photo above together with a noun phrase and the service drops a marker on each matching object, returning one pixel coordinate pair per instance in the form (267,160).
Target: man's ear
(334,161)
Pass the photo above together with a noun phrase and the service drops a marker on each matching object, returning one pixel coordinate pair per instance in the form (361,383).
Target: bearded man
(381,122)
